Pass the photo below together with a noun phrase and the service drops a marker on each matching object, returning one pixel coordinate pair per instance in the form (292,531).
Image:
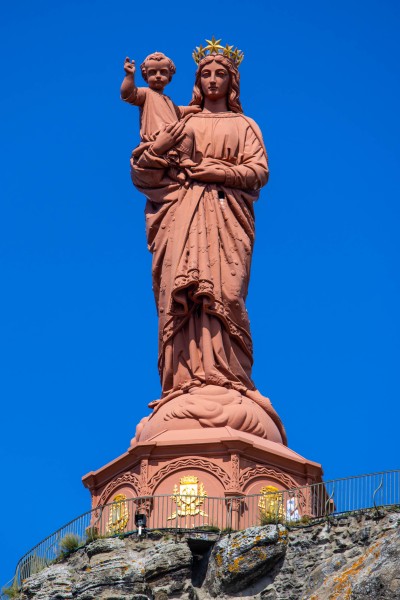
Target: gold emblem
(119,514)
(187,497)
(271,502)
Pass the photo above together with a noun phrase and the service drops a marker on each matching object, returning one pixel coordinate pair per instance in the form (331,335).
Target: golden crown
(214,47)
(189,479)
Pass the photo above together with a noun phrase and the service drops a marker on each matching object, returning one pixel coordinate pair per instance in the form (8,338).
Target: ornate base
(222,443)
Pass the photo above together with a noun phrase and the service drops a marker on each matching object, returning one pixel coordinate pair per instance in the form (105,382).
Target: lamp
(140,522)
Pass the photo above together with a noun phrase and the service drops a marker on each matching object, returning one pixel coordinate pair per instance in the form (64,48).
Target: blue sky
(79,328)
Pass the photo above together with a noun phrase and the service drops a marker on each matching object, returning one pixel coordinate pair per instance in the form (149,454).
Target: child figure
(156,109)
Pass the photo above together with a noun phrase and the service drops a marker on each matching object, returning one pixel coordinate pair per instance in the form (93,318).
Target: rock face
(116,569)
(352,558)
(243,558)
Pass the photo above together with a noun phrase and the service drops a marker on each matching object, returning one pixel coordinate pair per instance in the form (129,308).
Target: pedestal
(210,442)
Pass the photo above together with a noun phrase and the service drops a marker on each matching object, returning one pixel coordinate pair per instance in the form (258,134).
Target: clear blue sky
(78,321)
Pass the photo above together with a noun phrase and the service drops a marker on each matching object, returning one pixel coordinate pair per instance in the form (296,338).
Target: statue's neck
(215,106)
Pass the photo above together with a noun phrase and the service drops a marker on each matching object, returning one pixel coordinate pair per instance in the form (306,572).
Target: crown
(189,479)
(214,47)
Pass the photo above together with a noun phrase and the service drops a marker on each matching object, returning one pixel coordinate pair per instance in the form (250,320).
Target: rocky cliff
(349,558)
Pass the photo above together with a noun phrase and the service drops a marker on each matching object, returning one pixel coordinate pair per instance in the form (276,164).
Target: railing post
(328,504)
(380,486)
(309,492)
(234,505)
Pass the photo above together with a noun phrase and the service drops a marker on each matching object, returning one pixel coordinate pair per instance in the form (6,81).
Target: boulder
(241,558)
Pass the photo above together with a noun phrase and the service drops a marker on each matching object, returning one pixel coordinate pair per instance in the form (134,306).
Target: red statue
(201,174)
(201,169)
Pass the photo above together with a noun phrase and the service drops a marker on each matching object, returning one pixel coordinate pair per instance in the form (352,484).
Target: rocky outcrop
(352,558)
(116,569)
(243,558)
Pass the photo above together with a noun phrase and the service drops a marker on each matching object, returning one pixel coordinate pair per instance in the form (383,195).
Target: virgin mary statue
(200,231)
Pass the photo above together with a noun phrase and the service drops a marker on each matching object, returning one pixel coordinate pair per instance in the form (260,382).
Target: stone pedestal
(209,442)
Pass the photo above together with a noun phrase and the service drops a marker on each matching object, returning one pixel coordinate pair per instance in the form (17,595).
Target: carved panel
(144,487)
(189,463)
(286,480)
(234,483)
(126,478)
(252,472)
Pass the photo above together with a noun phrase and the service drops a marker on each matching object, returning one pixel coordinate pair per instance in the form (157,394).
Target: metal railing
(202,513)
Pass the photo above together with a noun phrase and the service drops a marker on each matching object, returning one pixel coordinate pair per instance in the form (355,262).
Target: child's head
(157,69)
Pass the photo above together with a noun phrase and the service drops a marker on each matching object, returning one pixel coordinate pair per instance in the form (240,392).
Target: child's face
(158,74)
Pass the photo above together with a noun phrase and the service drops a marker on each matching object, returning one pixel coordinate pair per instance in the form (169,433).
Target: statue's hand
(168,138)
(208,173)
(129,66)
(193,109)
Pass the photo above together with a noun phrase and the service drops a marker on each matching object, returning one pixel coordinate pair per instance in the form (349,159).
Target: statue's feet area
(214,406)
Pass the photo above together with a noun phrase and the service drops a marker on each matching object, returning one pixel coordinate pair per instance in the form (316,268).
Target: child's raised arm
(129,91)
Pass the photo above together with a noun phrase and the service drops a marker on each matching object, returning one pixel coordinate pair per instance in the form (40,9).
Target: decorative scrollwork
(126,478)
(283,478)
(235,467)
(189,463)
(252,472)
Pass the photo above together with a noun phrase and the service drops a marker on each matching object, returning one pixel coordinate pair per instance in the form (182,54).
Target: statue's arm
(129,91)
(149,170)
(253,172)
(188,110)
(150,174)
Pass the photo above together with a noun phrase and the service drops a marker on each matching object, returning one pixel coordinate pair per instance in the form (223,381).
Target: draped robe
(201,237)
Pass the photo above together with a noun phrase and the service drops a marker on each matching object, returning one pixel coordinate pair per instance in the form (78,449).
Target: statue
(201,175)
(201,170)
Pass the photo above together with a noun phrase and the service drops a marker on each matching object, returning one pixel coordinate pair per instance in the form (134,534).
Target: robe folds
(201,236)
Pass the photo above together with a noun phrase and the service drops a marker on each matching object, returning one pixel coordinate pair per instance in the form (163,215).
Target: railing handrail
(350,477)
(310,492)
(307,486)
(88,512)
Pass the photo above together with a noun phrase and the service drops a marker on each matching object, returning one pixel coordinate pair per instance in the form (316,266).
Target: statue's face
(214,80)
(158,75)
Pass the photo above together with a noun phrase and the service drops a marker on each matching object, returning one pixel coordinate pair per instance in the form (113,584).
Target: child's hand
(189,110)
(129,66)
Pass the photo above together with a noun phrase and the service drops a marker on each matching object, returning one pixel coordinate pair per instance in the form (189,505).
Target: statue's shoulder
(253,126)
(252,123)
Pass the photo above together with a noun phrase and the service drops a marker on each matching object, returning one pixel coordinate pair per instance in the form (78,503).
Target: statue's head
(157,69)
(217,75)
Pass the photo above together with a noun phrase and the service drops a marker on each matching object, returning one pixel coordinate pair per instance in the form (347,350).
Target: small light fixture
(140,522)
